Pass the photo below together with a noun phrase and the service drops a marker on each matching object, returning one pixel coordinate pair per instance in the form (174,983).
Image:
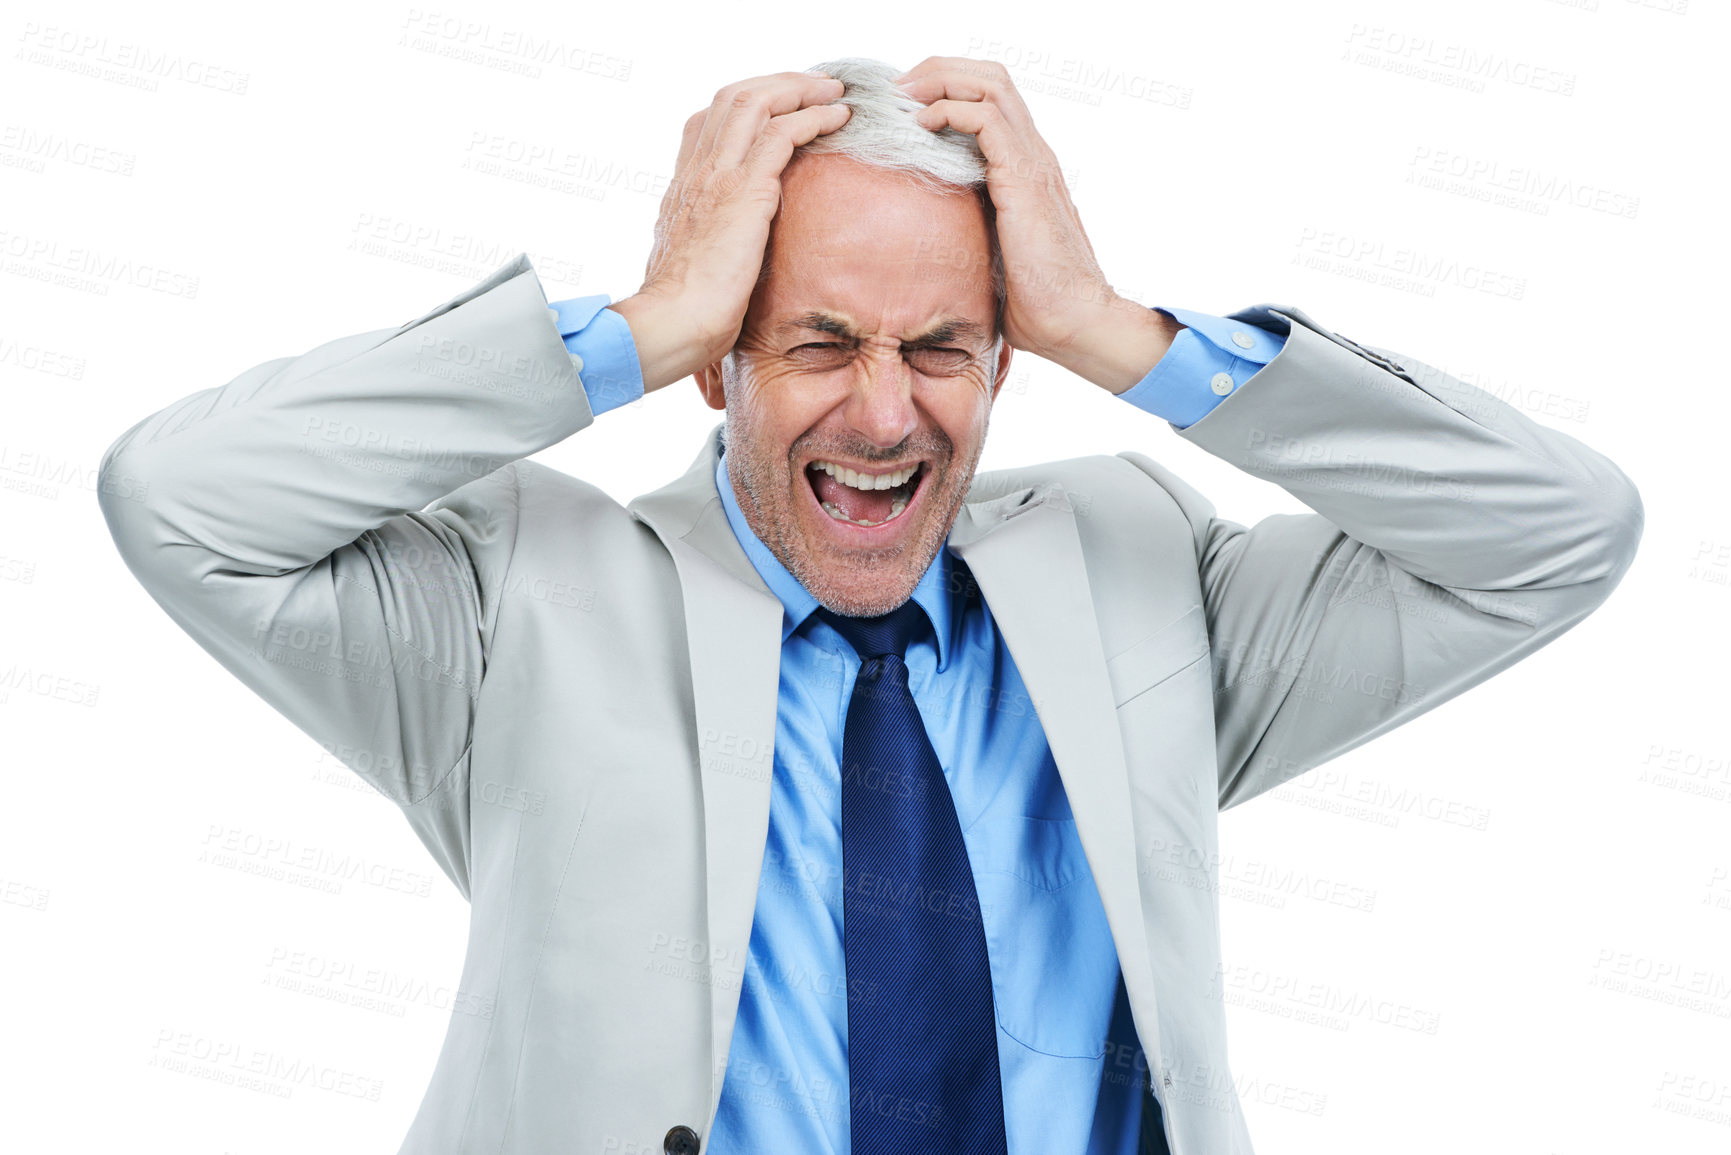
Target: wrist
(667,351)
(1120,346)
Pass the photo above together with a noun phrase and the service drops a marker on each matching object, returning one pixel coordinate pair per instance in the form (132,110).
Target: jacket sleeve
(1452,536)
(334,528)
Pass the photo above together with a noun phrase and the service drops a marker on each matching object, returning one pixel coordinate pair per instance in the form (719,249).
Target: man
(832,797)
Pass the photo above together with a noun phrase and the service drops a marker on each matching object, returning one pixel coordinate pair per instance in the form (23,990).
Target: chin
(850,570)
(869,582)
(864,596)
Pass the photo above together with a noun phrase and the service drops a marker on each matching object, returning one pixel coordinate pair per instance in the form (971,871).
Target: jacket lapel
(1047,618)
(733,631)
(733,628)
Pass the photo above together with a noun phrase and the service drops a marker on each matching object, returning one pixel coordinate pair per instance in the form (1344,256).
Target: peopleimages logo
(1513,186)
(1368,257)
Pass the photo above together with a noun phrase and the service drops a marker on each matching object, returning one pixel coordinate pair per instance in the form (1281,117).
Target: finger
(688,141)
(923,67)
(961,79)
(741,132)
(982,120)
(740,111)
(774,146)
(957,65)
(719,106)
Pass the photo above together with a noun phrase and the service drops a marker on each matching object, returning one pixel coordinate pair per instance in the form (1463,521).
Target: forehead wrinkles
(935,329)
(871,296)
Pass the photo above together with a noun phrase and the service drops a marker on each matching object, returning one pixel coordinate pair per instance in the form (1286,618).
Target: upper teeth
(866,480)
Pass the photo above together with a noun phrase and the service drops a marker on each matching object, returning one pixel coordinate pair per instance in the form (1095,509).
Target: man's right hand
(715,218)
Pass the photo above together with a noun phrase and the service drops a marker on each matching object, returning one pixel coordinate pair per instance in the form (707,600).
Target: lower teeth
(895,506)
(895,511)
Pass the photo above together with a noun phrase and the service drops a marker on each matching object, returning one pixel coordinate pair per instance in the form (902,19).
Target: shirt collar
(934,592)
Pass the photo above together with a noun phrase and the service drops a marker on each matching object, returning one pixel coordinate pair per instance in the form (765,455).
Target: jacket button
(681,1140)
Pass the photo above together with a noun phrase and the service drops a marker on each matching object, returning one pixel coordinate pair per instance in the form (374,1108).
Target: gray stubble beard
(751,482)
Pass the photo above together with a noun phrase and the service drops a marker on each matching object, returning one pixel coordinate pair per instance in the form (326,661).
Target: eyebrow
(945,332)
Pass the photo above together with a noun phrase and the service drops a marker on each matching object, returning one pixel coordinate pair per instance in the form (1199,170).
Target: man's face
(868,347)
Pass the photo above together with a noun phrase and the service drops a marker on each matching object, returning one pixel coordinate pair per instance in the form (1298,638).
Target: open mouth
(844,496)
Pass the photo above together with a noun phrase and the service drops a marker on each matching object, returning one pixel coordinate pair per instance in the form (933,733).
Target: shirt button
(1222,384)
(1242,339)
(681,1140)
(576,362)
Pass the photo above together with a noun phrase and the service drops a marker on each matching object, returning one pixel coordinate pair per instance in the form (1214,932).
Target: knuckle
(724,183)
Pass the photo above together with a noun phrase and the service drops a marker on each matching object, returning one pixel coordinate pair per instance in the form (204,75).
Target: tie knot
(885,634)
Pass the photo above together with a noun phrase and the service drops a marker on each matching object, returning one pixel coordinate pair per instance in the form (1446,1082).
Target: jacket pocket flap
(1158,656)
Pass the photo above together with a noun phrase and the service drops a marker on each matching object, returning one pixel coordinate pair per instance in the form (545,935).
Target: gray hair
(881,131)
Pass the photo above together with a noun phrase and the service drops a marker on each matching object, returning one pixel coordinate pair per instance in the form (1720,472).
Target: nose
(881,406)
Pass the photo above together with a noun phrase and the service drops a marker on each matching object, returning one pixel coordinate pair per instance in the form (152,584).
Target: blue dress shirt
(1067,1047)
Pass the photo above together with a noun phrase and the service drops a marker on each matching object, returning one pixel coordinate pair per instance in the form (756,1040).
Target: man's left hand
(1058,304)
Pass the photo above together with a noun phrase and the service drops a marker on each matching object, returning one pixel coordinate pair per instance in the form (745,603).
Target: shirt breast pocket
(1149,662)
(1054,965)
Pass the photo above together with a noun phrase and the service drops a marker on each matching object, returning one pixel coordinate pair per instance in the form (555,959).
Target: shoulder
(1134,528)
(1122,490)
(526,507)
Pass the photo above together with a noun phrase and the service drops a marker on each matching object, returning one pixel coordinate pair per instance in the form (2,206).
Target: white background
(1540,867)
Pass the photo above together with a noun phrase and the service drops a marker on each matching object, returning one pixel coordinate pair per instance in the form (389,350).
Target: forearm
(1119,347)
(1452,484)
(301,455)
(668,350)
(1450,536)
(335,528)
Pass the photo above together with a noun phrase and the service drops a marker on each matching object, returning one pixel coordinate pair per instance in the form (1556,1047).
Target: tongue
(859,504)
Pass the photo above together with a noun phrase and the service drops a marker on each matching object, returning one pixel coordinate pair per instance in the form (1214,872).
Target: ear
(1003,370)
(708,381)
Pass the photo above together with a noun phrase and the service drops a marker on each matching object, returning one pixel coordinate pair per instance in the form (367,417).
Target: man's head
(872,343)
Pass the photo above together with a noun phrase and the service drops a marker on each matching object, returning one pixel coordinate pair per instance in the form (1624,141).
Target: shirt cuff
(1209,359)
(609,369)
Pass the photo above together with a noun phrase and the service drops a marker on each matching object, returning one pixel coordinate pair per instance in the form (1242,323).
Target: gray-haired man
(1018,698)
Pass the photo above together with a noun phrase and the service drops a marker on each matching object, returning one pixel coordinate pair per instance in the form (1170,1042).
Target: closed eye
(938,362)
(930,360)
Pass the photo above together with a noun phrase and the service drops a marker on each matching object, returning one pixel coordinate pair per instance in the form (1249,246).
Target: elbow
(116,487)
(1588,549)
(1609,551)
(1626,518)
(123,494)
(118,484)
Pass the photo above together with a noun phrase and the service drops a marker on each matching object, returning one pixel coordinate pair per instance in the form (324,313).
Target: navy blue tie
(922,1039)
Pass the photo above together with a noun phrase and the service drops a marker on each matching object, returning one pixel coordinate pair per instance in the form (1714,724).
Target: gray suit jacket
(573,702)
